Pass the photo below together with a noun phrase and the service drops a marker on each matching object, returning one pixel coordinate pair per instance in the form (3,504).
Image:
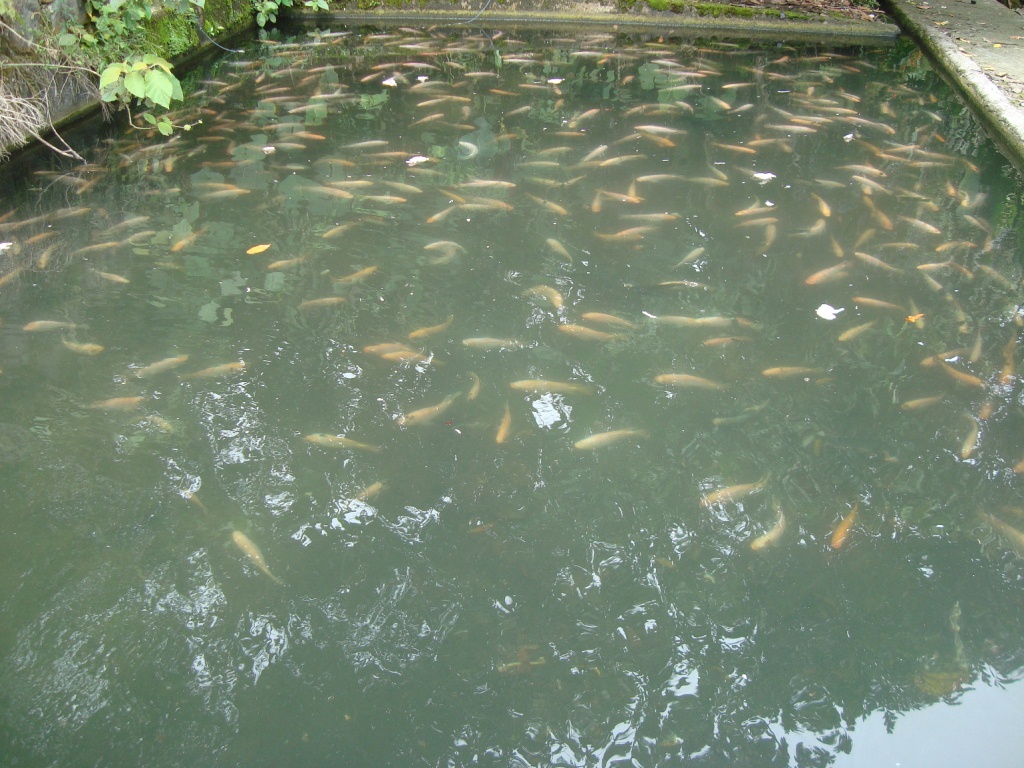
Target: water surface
(777,287)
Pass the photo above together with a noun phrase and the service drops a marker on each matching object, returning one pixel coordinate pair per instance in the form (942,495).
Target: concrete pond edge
(831,30)
(999,116)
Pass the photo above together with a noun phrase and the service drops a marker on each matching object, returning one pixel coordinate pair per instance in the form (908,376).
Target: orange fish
(842,531)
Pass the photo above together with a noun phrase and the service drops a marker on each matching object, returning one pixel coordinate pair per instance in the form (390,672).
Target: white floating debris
(269,150)
(555,80)
(849,137)
(764,177)
(828,312)
(390,82)
(5,246)
(417,159)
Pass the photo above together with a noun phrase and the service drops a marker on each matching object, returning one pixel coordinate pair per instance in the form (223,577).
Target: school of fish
(671,227)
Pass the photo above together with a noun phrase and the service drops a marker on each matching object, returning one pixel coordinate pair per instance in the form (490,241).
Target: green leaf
(110,75)
(159,87)
(155,61)
(165,127)
(148,117)
(66,39)
(135,84)
(90,39)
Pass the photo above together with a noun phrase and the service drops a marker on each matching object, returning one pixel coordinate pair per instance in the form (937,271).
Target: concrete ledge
(958,62)
(831,30)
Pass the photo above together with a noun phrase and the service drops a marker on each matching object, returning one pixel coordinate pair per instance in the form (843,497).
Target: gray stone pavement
(979,46)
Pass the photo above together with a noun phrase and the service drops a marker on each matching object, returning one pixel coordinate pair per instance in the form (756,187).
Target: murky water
(444,398)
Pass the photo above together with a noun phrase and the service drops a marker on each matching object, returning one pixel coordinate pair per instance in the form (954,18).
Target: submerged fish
(251,551)
(772,536)
(732,493)
(340,441)
(427,414)
(607,438)
(161,366)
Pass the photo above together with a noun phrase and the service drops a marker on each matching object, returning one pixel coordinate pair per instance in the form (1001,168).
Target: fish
(161,366)
(857,330)
(489,342)
(1007,532)
(83,349)
(961,377)
(842,531)
(447,249)
(504,426)
(426,415)
(370,491)
(604,318)
(326,301)
(474,390)
(187,240)
(544,386)
(432,330)
(589,334)
(37,326)
(829,274)
(772,536)
(286,263)
(733,493)
(252,552)
(117,404)
(558,249)
(866,301)
(324,440)
(607,438)
(355,277)
(547,293)
(790,371)
(110,277)
(214,371)
(688,381)
(678,321)
(921,402)
(970,442)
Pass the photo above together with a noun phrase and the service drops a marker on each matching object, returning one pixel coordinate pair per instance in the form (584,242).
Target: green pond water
(458,398)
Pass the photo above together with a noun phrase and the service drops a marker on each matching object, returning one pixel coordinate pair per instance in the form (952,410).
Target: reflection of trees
(527,604)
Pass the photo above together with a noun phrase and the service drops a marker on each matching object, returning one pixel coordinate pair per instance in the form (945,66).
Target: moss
(169,35)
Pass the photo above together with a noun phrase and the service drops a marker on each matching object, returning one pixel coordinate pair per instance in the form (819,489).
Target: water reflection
(592,400)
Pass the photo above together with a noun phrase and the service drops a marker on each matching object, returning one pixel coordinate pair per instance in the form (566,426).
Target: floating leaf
(258,249)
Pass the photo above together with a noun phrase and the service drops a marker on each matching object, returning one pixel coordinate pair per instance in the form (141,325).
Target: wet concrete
(979,46)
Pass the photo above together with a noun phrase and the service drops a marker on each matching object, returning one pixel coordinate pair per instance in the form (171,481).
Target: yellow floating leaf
(258,249)
(914,318)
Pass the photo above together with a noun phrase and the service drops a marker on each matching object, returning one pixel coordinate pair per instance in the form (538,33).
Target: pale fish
(427,414)
(83,349)
(589,334)
(772,536)
(251,551)
(161,366)
(688,381)
(545,386)
(432,330)
(340,441)
(732,493)
(489,342)
(117,404)
(215,371)
(607,438)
